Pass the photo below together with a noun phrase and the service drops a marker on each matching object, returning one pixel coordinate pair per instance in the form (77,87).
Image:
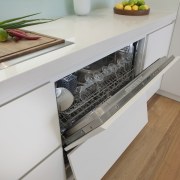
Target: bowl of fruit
(132,8)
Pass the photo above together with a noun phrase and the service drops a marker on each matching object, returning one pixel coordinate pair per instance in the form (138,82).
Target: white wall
(163,4)
(58,8)
(48,8)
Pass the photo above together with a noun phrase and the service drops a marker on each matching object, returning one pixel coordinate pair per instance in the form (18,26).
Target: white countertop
(94,36)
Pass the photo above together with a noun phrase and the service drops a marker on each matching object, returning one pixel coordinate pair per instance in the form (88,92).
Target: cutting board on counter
(12,49)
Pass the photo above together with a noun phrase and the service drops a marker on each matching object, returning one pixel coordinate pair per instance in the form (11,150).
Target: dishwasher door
(99,119)
(93,158)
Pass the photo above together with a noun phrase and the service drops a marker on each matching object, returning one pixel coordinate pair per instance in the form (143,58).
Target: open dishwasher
(101,89)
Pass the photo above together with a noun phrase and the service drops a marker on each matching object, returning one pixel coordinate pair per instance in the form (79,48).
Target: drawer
(29,131)
(51,168)
(156,50)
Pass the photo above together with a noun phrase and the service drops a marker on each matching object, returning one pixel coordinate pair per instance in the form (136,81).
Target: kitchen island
(29,116)
(94,36)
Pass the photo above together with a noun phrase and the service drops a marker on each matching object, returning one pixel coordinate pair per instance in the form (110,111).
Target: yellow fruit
(127,8)
(135,7)
(146,7)
(3,35)
(119,6)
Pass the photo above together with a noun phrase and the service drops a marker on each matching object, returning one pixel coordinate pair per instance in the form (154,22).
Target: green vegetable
(19,23)
(3,35)
(14,19)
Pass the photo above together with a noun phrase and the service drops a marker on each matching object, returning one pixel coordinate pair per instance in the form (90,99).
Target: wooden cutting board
(13,49)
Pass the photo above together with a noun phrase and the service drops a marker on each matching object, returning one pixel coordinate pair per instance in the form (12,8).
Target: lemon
(135,7)
(127,8)
(119,6)
(146,7)
(3,35)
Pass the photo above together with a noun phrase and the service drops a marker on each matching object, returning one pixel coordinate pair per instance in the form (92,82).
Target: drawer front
(50,169)
(29,131)
(92,159)
(156,50)
(170,81)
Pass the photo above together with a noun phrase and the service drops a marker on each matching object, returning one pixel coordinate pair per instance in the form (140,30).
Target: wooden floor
(155,153)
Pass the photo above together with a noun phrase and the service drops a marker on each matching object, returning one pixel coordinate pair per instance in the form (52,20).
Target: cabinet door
(158,44)
(170,85)
(29,131)
(50,169)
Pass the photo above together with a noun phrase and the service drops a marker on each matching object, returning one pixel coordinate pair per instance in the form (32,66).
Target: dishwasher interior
(90,87)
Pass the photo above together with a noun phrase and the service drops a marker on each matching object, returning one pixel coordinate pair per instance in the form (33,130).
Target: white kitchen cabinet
(157,44)
(161,81)
(170,85)
(29,128)
(154,88)
(49,169)
(29,131)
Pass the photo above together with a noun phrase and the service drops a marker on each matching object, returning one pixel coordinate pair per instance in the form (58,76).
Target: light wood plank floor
(155,152)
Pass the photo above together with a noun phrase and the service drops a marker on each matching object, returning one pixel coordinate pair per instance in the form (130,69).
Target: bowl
(131,12)
(64,98)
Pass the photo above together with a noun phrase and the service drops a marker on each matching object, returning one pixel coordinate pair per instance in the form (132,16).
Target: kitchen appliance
(102,89)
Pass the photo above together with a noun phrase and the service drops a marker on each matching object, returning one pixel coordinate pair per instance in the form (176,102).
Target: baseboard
(169,95)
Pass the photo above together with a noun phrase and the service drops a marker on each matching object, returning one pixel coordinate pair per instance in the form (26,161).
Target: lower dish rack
(94,95)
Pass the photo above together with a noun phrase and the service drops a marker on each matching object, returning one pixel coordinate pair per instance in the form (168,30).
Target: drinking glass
(89,79)
(98,77)
(106,71)
(112,68)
